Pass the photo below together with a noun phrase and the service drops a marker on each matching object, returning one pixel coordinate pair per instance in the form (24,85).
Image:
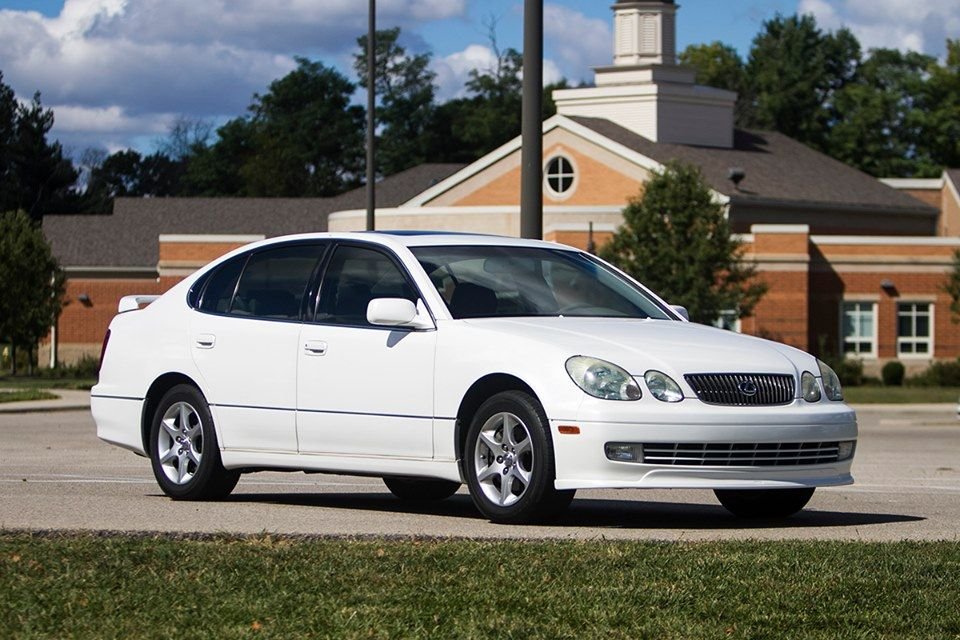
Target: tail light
(103,350)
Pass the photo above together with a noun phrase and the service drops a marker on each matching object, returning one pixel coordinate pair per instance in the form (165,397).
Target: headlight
(809,387)
(831,382)
(602,379)
(662,387)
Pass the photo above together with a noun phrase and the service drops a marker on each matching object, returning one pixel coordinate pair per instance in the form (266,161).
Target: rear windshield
(495,282)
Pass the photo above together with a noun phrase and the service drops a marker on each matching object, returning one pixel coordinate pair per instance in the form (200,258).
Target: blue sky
(118,73)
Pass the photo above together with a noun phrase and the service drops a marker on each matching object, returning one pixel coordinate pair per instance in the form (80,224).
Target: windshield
(496,282)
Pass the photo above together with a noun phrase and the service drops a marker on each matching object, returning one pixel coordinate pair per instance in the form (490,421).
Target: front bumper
(581,462)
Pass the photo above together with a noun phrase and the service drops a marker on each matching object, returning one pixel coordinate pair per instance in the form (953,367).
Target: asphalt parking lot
(55,474)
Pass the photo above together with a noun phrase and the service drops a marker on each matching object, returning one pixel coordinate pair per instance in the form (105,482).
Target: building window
(914,329)
(858,328)
(560,177)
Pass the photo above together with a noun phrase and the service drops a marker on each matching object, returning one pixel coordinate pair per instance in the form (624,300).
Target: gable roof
(778,171)
(129,236)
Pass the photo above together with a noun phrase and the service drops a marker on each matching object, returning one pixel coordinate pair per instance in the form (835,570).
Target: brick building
(853,263)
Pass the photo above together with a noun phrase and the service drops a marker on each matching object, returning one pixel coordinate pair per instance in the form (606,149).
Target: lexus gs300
(523,369)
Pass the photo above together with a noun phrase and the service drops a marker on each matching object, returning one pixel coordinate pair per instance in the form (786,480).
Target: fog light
(845,449)
(622,452)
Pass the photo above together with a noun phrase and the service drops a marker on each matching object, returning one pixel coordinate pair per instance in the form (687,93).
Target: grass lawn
(26,394)
(24,382)
(900,395)
(90,586)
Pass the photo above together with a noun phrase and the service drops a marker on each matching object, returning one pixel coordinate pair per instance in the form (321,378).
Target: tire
(184,452)
(521,453)
(763,503)
(421,488)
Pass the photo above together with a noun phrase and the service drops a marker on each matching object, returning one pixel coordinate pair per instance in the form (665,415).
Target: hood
(676,348)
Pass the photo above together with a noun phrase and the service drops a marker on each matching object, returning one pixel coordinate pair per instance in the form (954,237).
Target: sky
(119,73)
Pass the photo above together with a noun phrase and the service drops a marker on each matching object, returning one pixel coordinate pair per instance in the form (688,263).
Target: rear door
(245,340)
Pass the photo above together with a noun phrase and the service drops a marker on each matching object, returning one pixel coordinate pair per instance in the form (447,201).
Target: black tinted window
(220,286)
(274,281)
(354,278)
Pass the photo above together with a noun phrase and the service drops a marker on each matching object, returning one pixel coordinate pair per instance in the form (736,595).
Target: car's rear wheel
(509,461)
(764,503)
(183,448)
(421,488)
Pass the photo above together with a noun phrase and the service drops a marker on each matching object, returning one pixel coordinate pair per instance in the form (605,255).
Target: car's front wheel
(183,448)
(421,488)
(764,503)
(509,460)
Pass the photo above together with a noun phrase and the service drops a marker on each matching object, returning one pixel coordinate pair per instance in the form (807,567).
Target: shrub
(938,374)
(893,373)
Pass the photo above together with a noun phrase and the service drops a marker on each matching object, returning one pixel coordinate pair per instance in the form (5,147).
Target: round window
(560,176)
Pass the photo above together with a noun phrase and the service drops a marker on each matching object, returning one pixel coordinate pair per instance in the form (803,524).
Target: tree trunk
(13,358)
(30,360)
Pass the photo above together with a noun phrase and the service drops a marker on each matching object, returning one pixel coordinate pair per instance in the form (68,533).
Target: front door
(364,390)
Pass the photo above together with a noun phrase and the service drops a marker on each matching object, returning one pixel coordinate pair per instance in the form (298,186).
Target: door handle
(315,348)
(206,341)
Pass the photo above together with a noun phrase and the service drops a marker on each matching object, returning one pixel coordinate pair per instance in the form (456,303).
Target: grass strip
(23,395)
(92,586)
(24,382)
(900,395)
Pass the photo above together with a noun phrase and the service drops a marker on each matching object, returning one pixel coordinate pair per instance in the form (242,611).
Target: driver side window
(356,276)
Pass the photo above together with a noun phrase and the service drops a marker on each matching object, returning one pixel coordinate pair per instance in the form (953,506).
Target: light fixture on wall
(84,299)
(889,288)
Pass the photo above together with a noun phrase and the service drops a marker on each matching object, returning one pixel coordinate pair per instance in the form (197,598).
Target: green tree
(216,170)
(31,283)
(877,125)
(34,175)
(940,105)
(719,65)
(406,92)
(794,71)
(308,137)
(676,239)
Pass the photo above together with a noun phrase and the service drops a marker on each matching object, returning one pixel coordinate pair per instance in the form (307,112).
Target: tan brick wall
(195,252)
(579,239)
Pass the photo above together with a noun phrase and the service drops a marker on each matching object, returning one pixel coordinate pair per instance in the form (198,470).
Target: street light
(371,116)
(531,154)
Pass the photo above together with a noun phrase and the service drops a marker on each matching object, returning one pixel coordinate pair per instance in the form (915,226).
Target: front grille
(743,389)
(740,454)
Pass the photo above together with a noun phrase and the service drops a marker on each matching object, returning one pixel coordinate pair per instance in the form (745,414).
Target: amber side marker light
(569,431)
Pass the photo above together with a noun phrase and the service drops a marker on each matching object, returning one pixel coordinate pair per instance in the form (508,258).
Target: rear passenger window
(218,292)
(354,277)
(274,281)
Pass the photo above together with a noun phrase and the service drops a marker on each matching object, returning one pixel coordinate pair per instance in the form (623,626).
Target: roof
(778,171)
(954,176)
(129,236)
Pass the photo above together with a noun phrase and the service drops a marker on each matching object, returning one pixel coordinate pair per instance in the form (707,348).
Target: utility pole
(531,154)
(371,117)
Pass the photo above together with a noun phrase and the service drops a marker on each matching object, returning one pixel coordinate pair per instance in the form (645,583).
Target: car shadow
(586,512)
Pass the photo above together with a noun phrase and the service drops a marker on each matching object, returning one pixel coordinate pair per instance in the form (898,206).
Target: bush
(849,370)
(938,374)
(893,373)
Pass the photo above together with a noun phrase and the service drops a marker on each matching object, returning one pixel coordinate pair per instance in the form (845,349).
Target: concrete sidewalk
(68,400)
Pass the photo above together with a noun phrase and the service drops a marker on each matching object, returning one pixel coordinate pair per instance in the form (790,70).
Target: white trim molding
(925,241)
(780,228)
(180,238)
(933,184)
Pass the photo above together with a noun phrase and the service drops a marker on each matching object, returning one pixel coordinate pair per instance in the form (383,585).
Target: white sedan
(524,369)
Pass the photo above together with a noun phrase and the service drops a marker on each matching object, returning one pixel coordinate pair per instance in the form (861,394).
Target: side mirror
(681,311)
(397,312)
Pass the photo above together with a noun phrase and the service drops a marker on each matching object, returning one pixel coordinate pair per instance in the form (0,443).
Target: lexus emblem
(748,388)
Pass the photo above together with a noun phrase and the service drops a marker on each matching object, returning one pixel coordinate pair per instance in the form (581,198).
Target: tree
(952,288)
(31,283)
(877,125)
(719,65)
(676,239)
(794,71)
(404,86)
(940,104)
(34,175)
(307,135)
(216,170)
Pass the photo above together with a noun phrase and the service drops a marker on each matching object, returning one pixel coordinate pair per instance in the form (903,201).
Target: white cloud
(453,71)
(135,62)
(918,25)
(579,42)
